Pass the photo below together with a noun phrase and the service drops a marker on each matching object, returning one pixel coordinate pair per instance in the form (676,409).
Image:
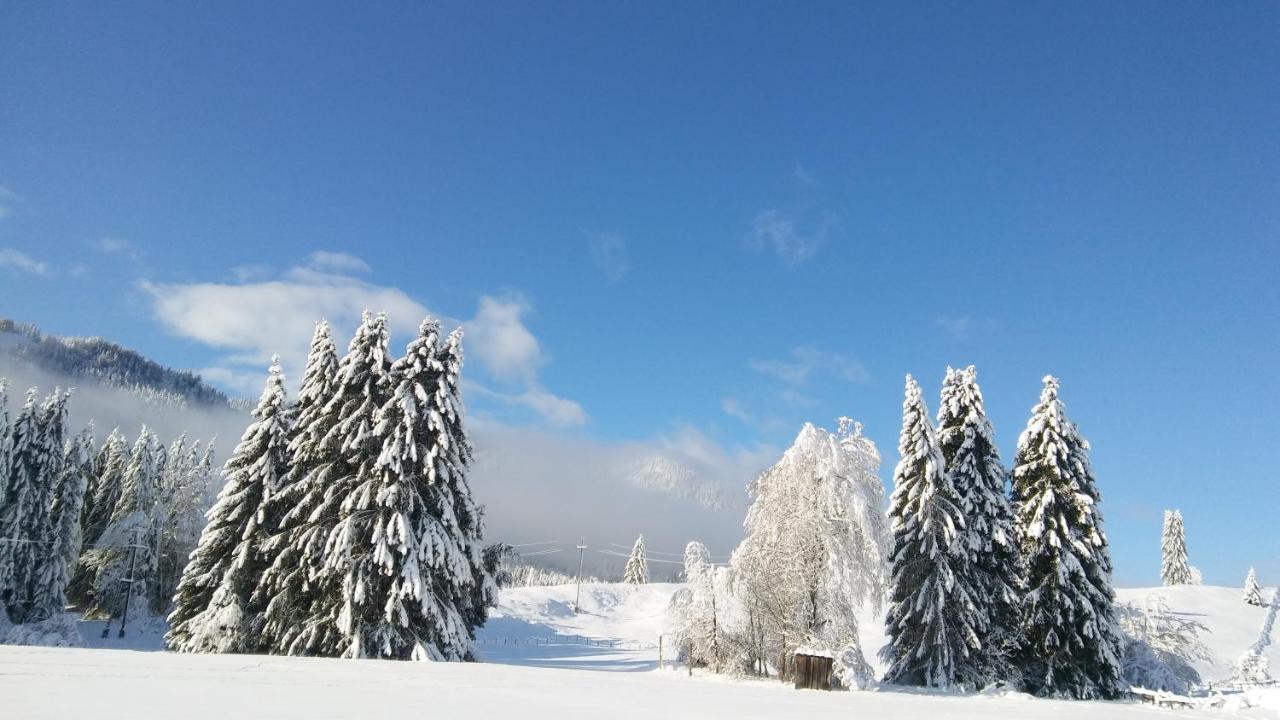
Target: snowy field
(542,661)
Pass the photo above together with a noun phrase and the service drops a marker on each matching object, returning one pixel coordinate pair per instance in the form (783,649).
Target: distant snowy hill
(665,474)
(105,362)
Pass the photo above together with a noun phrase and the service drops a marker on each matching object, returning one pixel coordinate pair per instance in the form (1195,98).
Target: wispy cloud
(119,247)
(963,326)
(806,362)
(609,250)
(18,261)
(337,262)
(783,234)
(9,202)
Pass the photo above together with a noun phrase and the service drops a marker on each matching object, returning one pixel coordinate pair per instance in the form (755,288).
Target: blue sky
(710,222)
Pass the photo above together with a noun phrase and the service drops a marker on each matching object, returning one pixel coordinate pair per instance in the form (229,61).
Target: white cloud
(782,233)
(336,262)
(549,407)
(807,361)
(251,321)
(609,250)
(497,336)
(19,261)
(119,247)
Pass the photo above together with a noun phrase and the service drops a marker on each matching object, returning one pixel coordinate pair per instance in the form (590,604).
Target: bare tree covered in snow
(1160,647)
(815,547)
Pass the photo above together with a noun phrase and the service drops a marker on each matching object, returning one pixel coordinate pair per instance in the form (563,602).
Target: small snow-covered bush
(58,631)
(1159,647)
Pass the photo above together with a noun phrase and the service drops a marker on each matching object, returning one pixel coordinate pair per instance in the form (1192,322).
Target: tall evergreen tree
(104,493)
(288,589)
(967,442)
(25,522)
(1071,645)
(404,568)
(934,624)
(213,610)
(101,496)
(4,439)
(452,458)
(54,575)
(1253,593)
(1174,569)
(361,388)
(637,570)
(129,540)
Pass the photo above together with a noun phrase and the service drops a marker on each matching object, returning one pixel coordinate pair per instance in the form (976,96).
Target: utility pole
(128,582)
(582,546)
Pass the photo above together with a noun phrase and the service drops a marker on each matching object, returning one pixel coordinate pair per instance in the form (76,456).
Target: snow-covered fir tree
(4,438)
(1174,569)
(361,388)
(1071,648)
(814,550)
(1252,592)
(636,571)
(104,490)
(405,572)
(968,447)
(101,496)
(130,536)
(295,553)
(213,611)
(934,624)
(180,514)
(54,574)
(25,521)
(453,457)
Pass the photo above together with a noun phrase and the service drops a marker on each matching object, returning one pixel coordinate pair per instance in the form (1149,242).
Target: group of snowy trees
(71,512)
(346,527)
(990,585)
(73,515)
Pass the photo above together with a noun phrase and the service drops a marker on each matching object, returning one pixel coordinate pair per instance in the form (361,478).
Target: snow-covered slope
(55,683)
(540,661)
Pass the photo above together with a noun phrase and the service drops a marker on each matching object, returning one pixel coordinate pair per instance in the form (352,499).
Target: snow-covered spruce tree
(130,532)
(104,490)
(362,387)
(213,611)
(288,589)
(54,574)
(815,548)
(1160,648)
(406,577)
(934,624)
(1174,569)
(101,496)
(1071,648)
(636,571)
(452,459)
(967,442)
(1252,593)
(4,438)
(25,520)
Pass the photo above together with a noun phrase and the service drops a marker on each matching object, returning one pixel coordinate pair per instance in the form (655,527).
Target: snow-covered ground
(543,661)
